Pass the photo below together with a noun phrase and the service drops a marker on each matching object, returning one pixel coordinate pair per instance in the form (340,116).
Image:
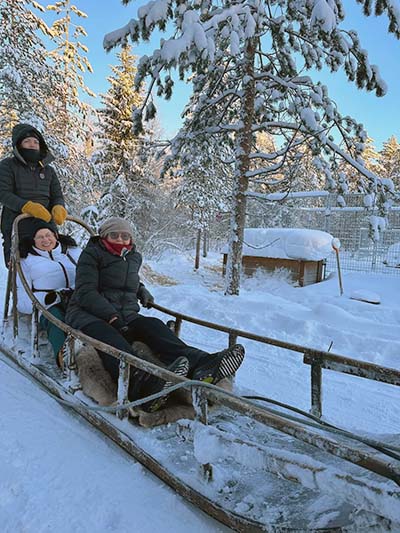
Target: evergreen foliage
(36,87)
(117,142)
(69,58)
(27,80)
(124,159)
(71,115)
(389,160)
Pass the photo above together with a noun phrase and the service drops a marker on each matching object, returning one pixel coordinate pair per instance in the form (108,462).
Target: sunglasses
(115,234)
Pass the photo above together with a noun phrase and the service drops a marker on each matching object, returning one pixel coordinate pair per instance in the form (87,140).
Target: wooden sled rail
(199,392)
(317,359)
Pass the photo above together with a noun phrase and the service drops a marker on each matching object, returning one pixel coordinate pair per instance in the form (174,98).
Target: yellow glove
(59,214)
(36,210)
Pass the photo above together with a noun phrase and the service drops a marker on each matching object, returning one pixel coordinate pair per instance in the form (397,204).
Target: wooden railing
(317,359)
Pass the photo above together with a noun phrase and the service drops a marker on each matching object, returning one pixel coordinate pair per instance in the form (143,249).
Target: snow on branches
(247,62)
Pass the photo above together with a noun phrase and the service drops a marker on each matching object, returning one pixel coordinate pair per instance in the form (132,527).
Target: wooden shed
(302,271)
(301,251)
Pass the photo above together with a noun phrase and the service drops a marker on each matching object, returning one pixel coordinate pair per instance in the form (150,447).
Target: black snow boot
(180,367)
(219,365)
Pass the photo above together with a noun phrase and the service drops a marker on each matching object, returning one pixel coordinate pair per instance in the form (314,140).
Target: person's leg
(55,335)
(203,366)
(141,383)
(161,340)
(104,332)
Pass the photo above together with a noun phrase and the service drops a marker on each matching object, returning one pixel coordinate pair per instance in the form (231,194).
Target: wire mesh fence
(359,252)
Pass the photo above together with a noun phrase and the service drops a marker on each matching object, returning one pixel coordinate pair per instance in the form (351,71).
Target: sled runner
(250,466)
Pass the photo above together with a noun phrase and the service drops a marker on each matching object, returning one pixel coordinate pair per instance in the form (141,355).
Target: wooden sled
(249,466)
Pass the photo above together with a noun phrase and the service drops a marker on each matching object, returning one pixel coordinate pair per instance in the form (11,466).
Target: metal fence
(359,252)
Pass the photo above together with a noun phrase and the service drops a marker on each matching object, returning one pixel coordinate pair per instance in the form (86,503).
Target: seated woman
(48,261)
(105,306)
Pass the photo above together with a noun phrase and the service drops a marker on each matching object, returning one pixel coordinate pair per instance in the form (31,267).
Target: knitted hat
(27,242)
(36,224)
(115,224)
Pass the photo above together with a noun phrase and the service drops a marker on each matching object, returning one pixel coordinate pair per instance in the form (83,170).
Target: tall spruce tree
(205,182)
(27,80)
(70,60)
(122,156)
(72,115)
(247,62)
(118,144)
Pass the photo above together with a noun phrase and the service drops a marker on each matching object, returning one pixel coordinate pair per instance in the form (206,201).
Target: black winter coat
(21,182)
(106,285)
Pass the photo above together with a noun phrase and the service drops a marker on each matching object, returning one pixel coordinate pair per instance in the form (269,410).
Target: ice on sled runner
(249,466)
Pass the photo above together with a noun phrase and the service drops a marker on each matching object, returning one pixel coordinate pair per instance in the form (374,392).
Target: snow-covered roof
(286,243)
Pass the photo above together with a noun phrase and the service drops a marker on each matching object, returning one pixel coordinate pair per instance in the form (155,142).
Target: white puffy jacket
(44,272)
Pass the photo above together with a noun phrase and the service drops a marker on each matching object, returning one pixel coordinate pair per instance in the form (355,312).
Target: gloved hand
(50,297)
(118,324)
(36,210)
(145,297)
(59,214)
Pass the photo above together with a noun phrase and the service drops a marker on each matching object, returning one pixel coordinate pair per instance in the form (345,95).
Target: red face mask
(117,248)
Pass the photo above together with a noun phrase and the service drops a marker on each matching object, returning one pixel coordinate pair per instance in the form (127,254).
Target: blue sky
(380,116)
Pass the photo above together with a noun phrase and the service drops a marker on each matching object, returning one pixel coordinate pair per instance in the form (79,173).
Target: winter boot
(180,367)
(219,365)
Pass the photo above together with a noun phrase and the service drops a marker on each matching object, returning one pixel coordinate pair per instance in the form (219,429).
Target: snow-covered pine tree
(69,130)
(248,61)
(389,159)
(27,81)
(205,181)
(122,156)
(117,144)
(70,59)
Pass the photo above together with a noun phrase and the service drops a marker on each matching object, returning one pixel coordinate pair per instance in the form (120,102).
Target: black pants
(153,332)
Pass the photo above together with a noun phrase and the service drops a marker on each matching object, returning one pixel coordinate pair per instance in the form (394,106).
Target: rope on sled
(382,447)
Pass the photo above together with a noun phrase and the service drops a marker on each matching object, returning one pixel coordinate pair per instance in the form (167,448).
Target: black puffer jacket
(20,182)
(106,285)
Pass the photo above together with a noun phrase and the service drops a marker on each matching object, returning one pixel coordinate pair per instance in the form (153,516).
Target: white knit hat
(115,224)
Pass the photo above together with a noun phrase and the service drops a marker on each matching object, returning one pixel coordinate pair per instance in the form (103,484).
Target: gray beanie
(115,224)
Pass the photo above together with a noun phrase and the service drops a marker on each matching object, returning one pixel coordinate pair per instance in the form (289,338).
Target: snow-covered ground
(59,474)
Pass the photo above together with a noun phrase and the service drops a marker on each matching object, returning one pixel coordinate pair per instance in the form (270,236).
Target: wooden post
(178,325)
(35,333)
(15,300)
(198,243)
(232,339)
(200,405)
(339,271)
(8,293)
(123,386)
(316,388)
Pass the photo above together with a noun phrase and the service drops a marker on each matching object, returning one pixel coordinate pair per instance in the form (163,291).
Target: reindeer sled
(251,466)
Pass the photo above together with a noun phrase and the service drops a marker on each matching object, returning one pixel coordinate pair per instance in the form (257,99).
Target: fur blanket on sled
(96,383)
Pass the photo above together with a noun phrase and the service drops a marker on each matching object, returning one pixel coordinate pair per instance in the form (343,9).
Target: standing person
(105,306)
(48,261)
(28,184)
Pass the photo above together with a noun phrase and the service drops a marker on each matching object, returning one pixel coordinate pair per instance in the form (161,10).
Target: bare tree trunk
(244,142)
(205,242)
(198,245)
